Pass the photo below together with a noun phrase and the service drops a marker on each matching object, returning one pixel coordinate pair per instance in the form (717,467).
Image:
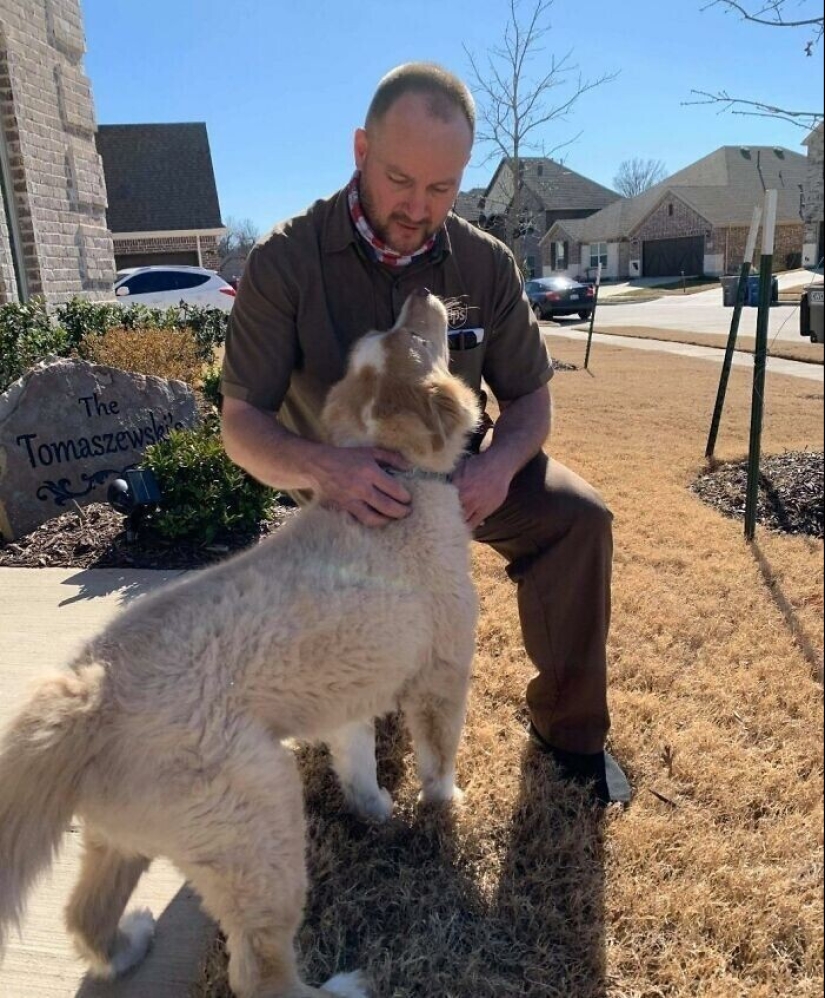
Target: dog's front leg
(436,720)
(353,758)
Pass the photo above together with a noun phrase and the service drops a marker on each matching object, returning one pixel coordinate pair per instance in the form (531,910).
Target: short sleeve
(261,349)
(516,361)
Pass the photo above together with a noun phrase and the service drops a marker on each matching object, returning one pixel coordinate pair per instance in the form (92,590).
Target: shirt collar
(339,232)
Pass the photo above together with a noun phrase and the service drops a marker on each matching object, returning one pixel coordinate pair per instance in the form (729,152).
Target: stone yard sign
(68,428)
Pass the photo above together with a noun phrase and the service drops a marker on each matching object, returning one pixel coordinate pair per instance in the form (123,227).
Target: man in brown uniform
(320,281)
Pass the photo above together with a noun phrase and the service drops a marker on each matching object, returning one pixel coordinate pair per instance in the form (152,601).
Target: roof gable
(159,177)
(553,184)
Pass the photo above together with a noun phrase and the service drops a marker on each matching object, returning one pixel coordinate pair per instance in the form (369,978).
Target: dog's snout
(423,292)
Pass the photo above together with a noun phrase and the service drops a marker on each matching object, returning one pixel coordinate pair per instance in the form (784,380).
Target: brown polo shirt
(311,289)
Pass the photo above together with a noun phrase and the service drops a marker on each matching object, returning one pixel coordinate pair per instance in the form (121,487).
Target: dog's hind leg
(435,709)
(241,842)
(107,879)
(353,758)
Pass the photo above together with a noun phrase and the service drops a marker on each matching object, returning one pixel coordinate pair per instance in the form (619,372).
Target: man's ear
(361,145)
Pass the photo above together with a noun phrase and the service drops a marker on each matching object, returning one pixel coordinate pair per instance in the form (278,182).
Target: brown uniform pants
(556,534)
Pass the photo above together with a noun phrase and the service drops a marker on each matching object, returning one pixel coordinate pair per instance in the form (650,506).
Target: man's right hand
(351,479)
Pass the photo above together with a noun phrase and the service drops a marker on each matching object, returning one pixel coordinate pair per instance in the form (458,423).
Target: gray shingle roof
(722,187)
(466,204)
(560,187)
(159,177)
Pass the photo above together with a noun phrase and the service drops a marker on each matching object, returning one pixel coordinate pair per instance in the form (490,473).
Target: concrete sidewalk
(45,614)
(775,365)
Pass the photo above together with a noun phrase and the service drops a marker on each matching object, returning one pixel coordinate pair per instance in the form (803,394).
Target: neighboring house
(163,202)
(549,191)
(813,246)
(53,236)
(695,222)
(468,204)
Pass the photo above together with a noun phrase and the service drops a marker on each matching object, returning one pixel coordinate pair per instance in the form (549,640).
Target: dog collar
(419,474)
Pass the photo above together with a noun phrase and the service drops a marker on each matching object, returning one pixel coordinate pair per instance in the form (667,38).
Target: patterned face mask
(383,253)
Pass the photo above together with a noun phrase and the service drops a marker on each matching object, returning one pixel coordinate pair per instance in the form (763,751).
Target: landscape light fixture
(133,494)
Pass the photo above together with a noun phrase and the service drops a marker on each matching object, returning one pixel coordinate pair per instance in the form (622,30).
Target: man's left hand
(483,483)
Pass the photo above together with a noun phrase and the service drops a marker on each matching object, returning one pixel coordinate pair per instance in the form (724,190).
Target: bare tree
(515,108)
(241,235)
(773,14)
(635,176)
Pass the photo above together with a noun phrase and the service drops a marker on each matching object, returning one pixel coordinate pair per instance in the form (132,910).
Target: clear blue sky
(282,84)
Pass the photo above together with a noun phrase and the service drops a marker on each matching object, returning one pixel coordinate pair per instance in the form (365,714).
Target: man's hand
(483,482)
(351,479)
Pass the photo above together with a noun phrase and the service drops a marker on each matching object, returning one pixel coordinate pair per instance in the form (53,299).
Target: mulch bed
(790,491)
(790,501)
(95,537)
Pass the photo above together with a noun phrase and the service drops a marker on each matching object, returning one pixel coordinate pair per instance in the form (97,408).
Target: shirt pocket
(467,349)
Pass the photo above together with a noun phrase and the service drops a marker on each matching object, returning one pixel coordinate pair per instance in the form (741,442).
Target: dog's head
(398,393)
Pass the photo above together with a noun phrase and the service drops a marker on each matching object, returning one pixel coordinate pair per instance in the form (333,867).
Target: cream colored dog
(165,734)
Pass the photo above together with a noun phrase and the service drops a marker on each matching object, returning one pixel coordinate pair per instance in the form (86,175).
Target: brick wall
(787,246)
(48,124)
(150,247)
(671,220)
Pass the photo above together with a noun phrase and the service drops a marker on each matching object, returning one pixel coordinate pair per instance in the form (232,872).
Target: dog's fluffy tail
(42,757)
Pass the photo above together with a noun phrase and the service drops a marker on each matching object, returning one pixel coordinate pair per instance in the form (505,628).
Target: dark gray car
(552,296)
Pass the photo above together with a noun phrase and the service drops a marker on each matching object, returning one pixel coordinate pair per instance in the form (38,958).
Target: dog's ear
(456,408)
(426,421)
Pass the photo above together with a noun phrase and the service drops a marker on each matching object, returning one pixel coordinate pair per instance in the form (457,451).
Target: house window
(558,255)
(670,209)
(598,254)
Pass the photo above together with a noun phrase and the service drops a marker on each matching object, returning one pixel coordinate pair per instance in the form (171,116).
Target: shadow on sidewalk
(173,964)
(129,583)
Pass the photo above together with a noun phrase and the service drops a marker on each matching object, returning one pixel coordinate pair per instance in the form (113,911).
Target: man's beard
(382,230)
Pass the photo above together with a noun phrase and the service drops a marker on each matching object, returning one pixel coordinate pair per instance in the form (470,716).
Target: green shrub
(208,326)
(211,386)
(29,332)
(27,335)
(204,493)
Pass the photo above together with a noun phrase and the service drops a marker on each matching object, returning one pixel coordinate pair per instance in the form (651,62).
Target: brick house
(163,201)
(812,211)
(53,236)
(549,191)
(695,222)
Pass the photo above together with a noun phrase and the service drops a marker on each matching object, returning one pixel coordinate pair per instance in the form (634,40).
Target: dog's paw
(443,792)
(135,934)
(374,807)
(347,986)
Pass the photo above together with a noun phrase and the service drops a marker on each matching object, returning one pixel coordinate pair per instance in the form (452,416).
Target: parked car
(551,296)
(166,286)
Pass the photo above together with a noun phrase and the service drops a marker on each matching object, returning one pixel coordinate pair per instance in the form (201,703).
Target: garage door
(672,257)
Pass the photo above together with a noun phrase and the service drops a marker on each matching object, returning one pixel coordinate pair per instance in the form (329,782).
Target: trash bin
(729,287)
(752,297)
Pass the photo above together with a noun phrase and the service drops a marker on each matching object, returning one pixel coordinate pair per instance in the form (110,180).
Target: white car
(167,286)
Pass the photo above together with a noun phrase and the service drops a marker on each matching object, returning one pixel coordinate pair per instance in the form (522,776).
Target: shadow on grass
(492,903)
(792,621)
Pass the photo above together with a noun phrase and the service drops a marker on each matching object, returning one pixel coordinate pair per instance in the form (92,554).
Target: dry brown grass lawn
(811,353)
(710,884)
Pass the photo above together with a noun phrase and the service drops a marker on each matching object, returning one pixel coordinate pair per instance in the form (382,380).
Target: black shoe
(609,784)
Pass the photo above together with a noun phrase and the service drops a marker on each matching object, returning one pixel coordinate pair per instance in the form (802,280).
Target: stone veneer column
(48,121)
